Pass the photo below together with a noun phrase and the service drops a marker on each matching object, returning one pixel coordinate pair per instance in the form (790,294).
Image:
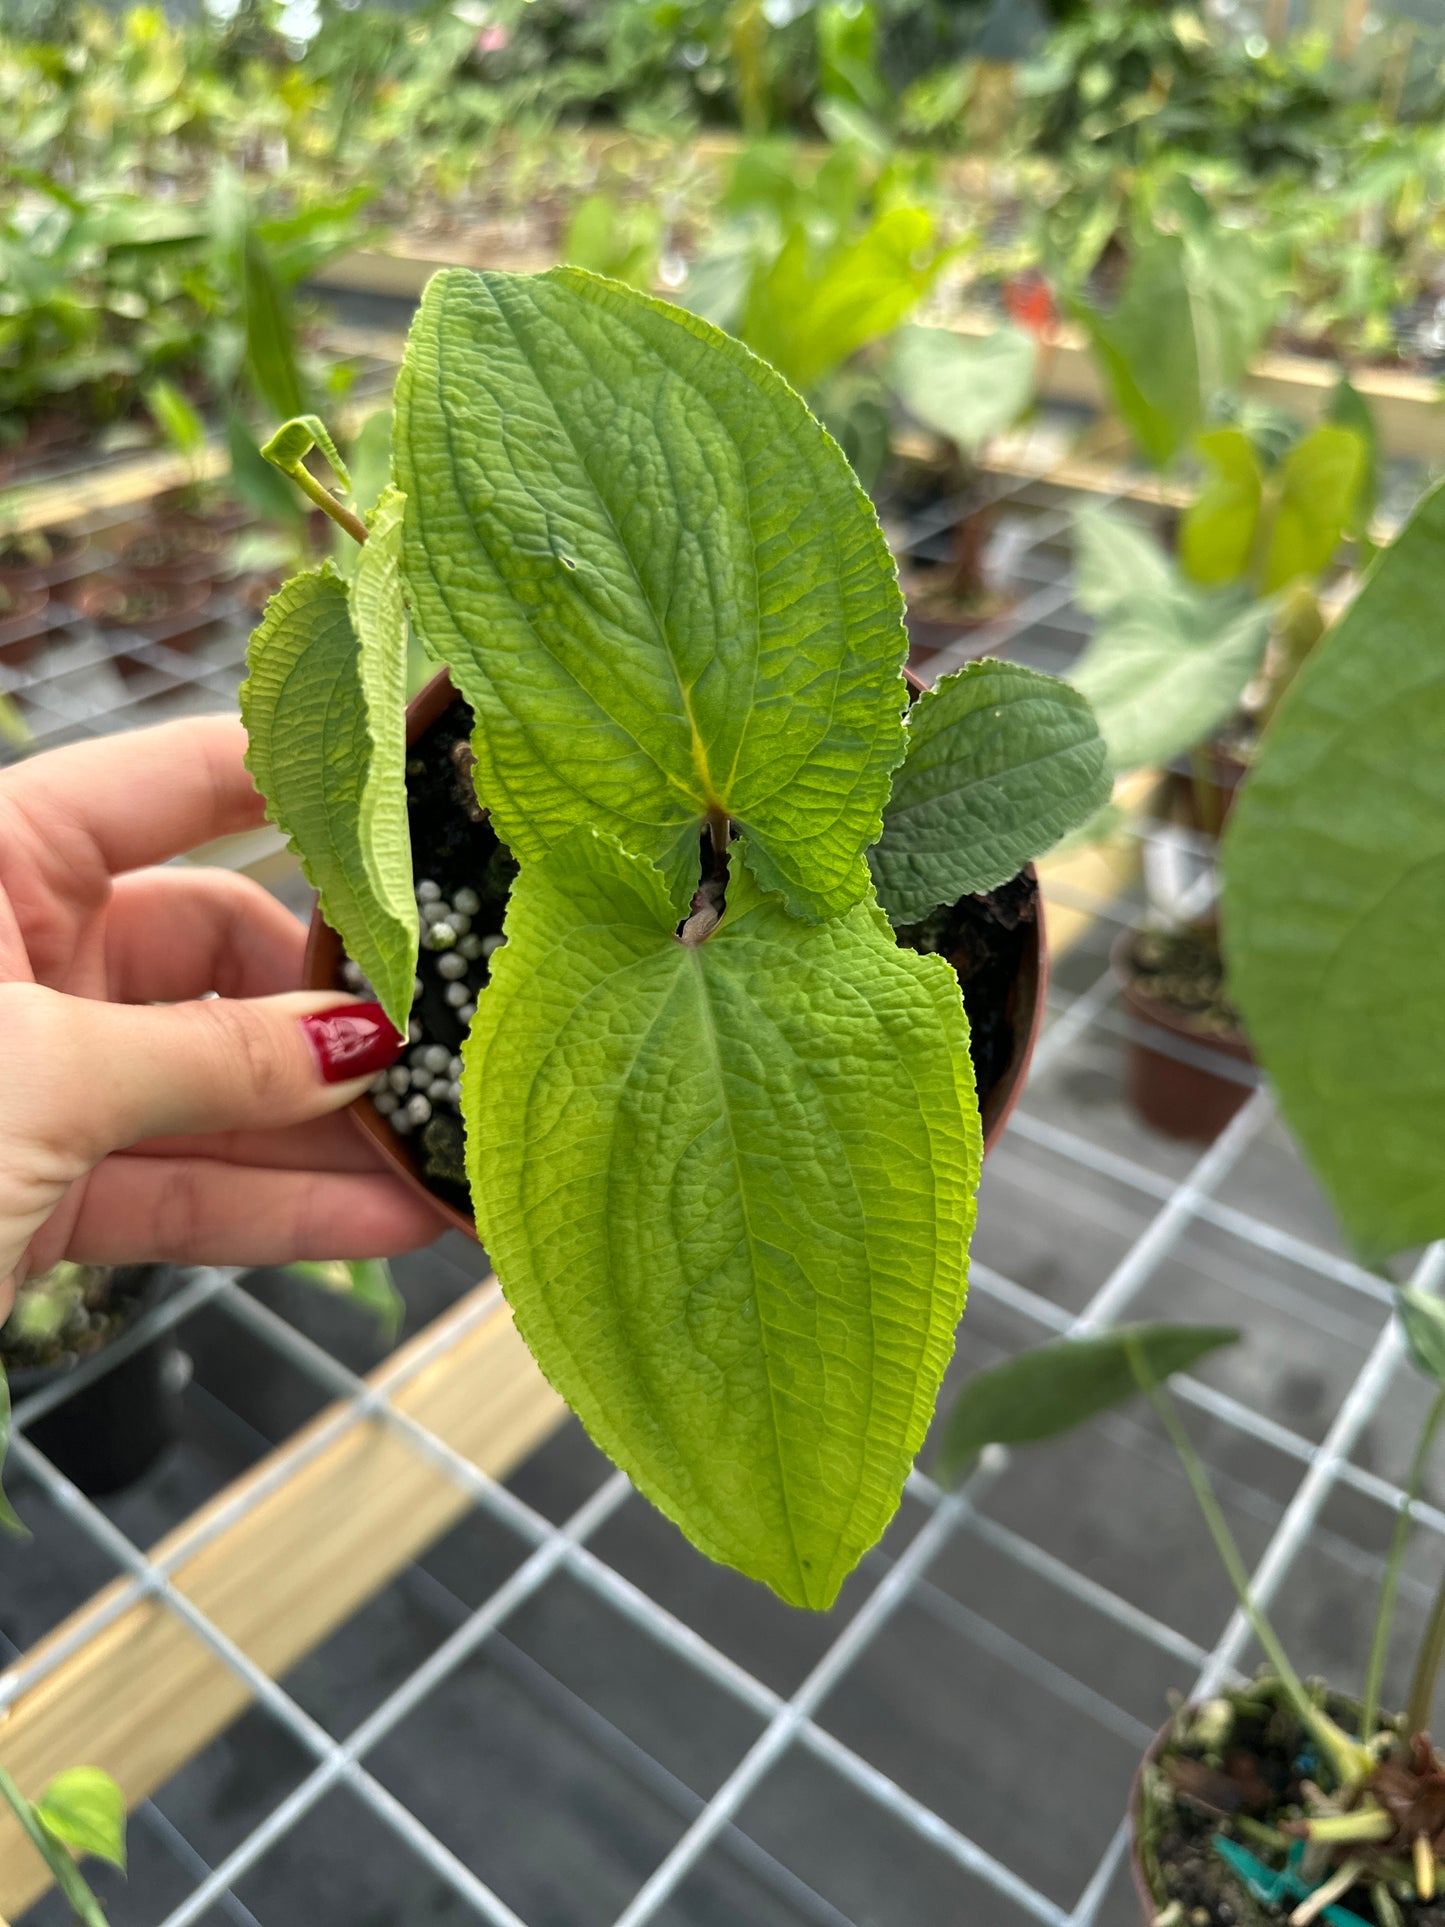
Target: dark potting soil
(455,849)
(1183,970)
(1195,1791)
(984,938)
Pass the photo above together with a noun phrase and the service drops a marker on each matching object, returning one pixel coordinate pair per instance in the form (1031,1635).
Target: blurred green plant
(81,1811)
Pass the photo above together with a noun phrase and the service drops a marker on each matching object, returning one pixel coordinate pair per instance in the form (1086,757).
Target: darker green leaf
(1059,1386)
(1002,761)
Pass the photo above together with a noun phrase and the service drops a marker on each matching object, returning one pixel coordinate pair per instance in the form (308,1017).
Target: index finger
(125,802)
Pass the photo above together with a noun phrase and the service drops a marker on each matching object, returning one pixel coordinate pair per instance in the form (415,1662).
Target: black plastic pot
(111,1432)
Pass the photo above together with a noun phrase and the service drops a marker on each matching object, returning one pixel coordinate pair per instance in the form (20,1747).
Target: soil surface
(1195,1791)
(1183,970)
(455,848)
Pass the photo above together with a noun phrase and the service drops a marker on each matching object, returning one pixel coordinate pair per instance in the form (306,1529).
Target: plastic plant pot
(111,1432)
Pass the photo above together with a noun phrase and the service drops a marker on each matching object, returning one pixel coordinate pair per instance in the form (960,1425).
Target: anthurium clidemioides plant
(722,1139)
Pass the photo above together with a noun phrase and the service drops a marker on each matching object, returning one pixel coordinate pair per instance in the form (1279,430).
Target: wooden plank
(142,1695)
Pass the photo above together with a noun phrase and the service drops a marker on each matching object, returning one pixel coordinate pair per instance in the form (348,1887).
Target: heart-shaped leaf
(655,581)
(85,1809)
(1167,663)
(324,707)
(1002,761)
(728,1188)
(1334,895)
(969,390)
(1056,1387)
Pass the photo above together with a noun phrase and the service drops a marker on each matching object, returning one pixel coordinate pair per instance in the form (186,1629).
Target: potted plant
(1187,663)
(1277,1801)
(703,1082)
(110,1432)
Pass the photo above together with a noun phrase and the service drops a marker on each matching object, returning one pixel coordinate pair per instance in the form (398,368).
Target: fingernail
(352,1040)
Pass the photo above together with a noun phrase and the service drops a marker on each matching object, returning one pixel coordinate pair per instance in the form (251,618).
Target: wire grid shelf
(1286,1513)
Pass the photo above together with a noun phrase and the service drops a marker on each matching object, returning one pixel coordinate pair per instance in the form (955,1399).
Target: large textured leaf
(654,578)
(728,1188)
(1002,761)
(969,390)
(1334,898)
(1056,1387)
(324,706)
(1167,663)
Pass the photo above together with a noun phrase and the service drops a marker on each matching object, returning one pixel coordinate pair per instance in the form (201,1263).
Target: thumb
(109,1075)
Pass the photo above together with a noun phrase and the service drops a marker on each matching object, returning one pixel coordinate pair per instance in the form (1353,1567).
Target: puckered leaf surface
(1002,761)
(654,577)
(1334,898)
(325,709)
(728,1189)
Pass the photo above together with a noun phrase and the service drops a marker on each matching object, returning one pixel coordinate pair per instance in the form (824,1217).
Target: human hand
(136,1124)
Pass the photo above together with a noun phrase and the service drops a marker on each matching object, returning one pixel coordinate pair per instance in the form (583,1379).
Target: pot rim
(1028,994)
(1152,1010)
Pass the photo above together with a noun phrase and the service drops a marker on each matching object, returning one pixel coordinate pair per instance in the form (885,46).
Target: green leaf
(67,1876)
(1167,664)
(1002,761)
(270,332)
(1320,482)
(967,389)
(1334,895)
(366,1280)
(10,1520)
(324,706)
(1349,409)
(1217,535)
(810,308)
(1422,1315)
(1051,1390)
(654,579)
(1193,312)
(176,419)
(728,1188)
(85,1809)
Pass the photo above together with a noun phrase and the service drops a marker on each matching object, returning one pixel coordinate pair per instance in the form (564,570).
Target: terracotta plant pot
(1168,1088)
(174,551)
(20,571)
(1201,795)
(22,625)
(168,614)
(1024,1009)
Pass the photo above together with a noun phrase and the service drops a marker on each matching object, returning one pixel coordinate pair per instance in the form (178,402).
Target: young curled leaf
(728,1188)
(85,1809)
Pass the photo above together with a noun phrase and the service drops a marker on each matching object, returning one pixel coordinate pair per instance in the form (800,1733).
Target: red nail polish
(352,1040)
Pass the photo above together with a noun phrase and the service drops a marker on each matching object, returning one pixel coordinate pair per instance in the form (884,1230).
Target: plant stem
(67,1875)
(1351,1762)
(342,516)
(1384,1617)
(1427,1667)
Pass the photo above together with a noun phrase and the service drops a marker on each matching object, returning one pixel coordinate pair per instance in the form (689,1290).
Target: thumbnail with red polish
(352,1040)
